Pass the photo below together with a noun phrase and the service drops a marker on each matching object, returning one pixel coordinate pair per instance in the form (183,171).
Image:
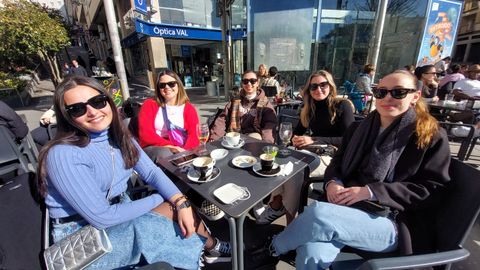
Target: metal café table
(259,187)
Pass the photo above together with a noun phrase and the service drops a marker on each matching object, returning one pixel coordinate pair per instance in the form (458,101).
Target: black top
(324,132)
(11,120)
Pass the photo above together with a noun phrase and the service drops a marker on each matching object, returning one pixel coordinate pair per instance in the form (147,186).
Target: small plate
(194,176)
(230,193)
(244,161)
(218,154)
(257,168)
(228,146)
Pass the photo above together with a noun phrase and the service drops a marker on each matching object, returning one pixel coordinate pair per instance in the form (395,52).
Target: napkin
(286,169)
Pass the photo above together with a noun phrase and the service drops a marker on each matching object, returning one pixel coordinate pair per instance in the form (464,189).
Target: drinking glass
(203,134)
(285,133)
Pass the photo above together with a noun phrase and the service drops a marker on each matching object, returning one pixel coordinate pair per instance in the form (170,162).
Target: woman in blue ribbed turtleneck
(323,120)
(84,172)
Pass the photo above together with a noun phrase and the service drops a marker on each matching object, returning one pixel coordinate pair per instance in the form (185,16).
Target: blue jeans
(323,229)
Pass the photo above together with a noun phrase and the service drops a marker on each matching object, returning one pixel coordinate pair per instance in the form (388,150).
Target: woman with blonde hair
(323,120)
(380,184)
(168,123)
(262,74)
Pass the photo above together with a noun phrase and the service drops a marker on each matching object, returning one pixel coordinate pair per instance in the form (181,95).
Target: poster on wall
(440,31)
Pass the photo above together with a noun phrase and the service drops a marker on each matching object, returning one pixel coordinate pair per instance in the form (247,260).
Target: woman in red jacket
(168,123)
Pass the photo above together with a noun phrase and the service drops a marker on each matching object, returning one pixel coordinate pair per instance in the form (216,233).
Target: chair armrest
(304,192)
(416,261)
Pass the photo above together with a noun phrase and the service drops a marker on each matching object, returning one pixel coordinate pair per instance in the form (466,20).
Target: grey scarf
(381,150)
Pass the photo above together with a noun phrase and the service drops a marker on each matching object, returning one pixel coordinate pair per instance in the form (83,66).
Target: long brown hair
(182,96)
(308,109)
(69,132)
(426,126)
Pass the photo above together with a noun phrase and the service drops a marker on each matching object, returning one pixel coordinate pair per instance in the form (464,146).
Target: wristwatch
(185,204)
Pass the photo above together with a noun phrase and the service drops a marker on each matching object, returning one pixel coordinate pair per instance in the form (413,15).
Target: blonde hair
(426,126)
(182,96)
(308,109)
(266,70)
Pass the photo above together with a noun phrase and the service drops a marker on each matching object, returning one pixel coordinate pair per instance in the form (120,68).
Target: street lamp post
(117,49)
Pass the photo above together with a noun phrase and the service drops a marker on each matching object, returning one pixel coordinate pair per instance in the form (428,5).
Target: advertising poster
(440,31)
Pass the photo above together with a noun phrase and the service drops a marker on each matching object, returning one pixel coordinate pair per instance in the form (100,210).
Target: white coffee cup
(204,165)
(232,138)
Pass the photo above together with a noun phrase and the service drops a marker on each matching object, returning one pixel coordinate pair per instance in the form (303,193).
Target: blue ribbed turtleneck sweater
(78,180)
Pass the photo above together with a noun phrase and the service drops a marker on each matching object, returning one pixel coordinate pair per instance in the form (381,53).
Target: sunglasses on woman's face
(397,93)
(314,86)
(170,84)
(251,81)
(80,108)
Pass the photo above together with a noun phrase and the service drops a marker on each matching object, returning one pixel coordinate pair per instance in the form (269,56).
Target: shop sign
(440,31)
(178,32)
(141,6)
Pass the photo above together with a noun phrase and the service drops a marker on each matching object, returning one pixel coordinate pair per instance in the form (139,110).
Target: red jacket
(146,126)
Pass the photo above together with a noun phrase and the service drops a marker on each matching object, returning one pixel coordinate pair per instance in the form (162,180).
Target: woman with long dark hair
(83,175)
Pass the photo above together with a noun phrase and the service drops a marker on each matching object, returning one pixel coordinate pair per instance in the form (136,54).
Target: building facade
(468,41)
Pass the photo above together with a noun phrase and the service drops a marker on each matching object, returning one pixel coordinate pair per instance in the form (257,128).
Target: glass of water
(285,132)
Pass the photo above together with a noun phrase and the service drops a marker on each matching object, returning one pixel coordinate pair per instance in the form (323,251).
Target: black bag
(21,224)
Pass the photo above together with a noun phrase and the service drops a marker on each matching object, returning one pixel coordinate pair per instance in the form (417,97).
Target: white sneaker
(221,252)
(270,215)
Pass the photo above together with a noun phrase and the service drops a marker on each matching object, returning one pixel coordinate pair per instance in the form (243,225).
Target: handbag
(176,134)
(78,250)
(81,248)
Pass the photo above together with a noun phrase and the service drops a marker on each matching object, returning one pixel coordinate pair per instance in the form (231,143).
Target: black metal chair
(270,91)
(453,220)
(466,142)
(11,159)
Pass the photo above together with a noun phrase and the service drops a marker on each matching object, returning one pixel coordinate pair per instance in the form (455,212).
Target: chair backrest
(349,87)
(21,224)
(10,157)
(460,206)
(442,91)
(270,91)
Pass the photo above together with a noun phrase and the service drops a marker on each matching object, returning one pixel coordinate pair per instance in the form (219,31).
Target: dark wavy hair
(70,133)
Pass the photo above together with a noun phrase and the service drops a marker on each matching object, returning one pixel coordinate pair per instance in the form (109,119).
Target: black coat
(419,176)
(10,119)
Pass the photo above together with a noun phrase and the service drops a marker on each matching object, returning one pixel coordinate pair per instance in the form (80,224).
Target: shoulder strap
(165,117)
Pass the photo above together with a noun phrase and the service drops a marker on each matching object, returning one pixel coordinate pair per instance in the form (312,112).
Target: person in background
(469,88)
(323,120)
(453,76)
(427,75)
(13,122)
(251,113)
(272,79)
(169,110)
(379,186)
(364,80)
(443,65)
(262,74)
(83,175)
(66,70)
(410,68)
(41,134)
(77,69)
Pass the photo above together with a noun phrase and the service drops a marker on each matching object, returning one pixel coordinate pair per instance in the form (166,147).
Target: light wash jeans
(151,235)
(323,229)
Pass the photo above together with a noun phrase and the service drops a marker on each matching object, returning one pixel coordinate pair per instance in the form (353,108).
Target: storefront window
(346,29)
(139,58)
(199,13)
(402,35)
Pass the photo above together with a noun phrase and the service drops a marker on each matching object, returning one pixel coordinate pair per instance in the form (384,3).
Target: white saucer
(228,146)
(244,161)
(219,153)
(230,193)
(257,168)
(194,176)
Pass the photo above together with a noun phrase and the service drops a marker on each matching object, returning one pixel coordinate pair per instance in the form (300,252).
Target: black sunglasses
(314,86)
(80,108)
(397,93)
(251,81)
(170,84)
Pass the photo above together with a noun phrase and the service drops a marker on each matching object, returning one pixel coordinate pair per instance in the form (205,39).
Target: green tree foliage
(26,31)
